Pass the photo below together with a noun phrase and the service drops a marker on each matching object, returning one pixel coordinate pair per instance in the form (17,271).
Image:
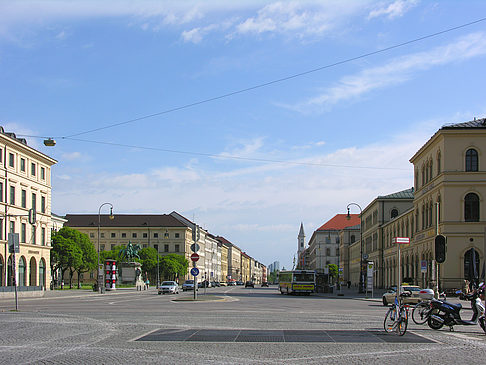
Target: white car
(169,287)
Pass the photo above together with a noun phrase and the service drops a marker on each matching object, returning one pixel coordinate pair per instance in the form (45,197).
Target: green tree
(89,255)
(66,253)
(148,258)
(333,271)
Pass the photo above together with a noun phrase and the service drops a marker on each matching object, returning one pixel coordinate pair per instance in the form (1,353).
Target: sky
(248,117)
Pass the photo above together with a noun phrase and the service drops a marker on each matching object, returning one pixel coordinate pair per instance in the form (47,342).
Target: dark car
(264,284)
(249,284)
(239,283)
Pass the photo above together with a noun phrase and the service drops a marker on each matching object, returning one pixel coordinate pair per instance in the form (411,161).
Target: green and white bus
(297,281)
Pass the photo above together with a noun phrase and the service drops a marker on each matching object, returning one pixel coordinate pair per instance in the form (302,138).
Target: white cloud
(394,10)
(71,156)
(395,72)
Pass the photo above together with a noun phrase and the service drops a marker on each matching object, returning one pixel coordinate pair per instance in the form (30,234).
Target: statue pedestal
(128,274)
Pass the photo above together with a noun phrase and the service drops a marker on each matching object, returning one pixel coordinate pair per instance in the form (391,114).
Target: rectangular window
(12,227)
(23,198)
(176,248)
(156,235)
(156,247)
(134,235)
(145,235)
(12,195)
(22,164)
(33,168)
(43,236)
(177,235)
(43,173)
(34,201)
(145,245)
(166,248)
(124,235)
(91,235)
(11,159)
(43,204)
(23,230)
(1,191)
(102,247)
(113,235)
(102,235)
(113,246)
(1,229)
(34,235)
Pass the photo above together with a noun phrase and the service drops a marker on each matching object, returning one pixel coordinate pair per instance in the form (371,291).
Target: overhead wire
(272,82)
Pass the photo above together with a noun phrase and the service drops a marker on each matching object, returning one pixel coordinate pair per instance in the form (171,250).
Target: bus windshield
(303,277)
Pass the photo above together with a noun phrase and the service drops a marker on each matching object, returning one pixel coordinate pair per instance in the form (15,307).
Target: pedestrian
(349,284)
(147,284)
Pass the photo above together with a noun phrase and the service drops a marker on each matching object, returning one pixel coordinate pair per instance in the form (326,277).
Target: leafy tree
(148,258)
(113,254)
(333,271)
(89,255)
(66,254)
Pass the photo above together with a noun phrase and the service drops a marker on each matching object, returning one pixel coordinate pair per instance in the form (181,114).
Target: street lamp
(101,277)
(361,272)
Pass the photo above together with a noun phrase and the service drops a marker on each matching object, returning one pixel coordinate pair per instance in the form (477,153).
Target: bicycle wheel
(420,312)
(402,323)
(390,317)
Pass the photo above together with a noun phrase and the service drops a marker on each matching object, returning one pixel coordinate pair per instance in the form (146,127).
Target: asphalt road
(246,326)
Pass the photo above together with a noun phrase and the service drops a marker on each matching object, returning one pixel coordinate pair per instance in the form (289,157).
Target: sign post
(369,277)
(399,241)
(13,248)
(195,270)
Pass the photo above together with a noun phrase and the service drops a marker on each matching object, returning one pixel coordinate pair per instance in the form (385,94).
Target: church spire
(301,239)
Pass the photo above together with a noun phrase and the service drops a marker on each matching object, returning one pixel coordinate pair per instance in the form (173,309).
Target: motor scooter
(449,314)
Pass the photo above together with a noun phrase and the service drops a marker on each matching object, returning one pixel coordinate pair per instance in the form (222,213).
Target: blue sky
(304,147)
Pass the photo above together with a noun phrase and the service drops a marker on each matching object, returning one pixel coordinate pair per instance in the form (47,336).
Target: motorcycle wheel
(435,325)
(420,313)
(482,323)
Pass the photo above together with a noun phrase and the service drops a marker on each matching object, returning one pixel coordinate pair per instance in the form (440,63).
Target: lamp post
(361,272)
(101,276)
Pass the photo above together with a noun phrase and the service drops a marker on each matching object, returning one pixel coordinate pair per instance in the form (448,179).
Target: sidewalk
(352,293)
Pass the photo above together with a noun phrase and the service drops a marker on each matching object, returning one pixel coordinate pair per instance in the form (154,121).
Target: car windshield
(168,283)
(189,281)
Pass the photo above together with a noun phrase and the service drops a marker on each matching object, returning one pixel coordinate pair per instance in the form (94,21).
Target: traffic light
(440,248)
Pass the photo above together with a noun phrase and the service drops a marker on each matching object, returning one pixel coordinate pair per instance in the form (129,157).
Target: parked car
(188,285)
(249,284)
(264,284)
(216,283)
(222,283)
(416,296)
(168,287)
(231,283)
(204,284)
(239,282)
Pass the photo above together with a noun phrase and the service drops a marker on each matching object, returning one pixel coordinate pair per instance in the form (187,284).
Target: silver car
(169,287)
(389,296)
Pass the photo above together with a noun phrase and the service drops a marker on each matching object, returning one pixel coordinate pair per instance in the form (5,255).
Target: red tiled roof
(340,221)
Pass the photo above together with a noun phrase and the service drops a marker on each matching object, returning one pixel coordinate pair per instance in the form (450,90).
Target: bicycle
(396,318)
(422,310)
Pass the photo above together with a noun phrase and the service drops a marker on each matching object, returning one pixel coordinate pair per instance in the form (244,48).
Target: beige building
(234,259)
(25,183)
(245,267)
(448,199)
(164,232)
(450,190)
(224,261)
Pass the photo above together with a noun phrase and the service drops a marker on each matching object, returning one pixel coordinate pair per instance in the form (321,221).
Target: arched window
(438,163)
(42,273)
(471,160)
(438,210)
(471,208)
(2,281)
(353,238)
(416,179)
(22,271)
(431,169)
(9,271)
(394,213)
(471,271)
(32,272)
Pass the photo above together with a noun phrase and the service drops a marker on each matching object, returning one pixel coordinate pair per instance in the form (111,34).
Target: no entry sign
(194,257)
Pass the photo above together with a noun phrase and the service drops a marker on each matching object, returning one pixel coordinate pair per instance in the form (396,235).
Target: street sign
(423,266)
(194,271)
(195,247)
(401,240)
(13,243)
(194,257)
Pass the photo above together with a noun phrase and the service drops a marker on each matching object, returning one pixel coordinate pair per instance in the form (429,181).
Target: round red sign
(194,257)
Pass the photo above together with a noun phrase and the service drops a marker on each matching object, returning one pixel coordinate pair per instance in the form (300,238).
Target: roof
(476,123)
(404,194)
(123,220)
(339,222)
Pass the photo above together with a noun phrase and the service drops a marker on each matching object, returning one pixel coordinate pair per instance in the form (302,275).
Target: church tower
(301,240)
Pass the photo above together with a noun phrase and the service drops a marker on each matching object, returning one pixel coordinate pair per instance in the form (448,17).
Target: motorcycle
(446,313)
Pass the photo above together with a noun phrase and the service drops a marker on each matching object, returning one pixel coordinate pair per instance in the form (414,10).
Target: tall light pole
(361,272)
(101,272)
